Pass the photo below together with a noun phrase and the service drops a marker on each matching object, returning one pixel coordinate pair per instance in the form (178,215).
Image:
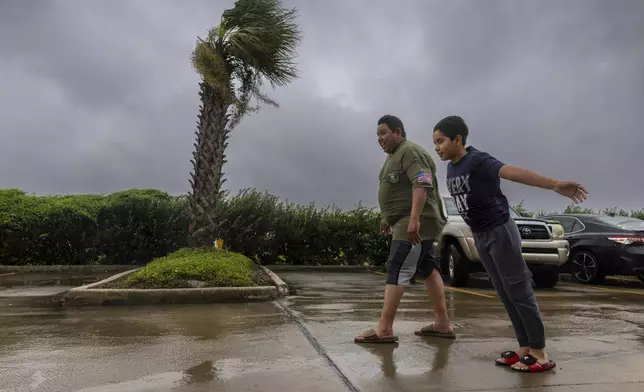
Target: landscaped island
(195,268)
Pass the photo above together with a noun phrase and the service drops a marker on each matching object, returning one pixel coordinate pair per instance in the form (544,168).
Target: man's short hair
(393,123)
(452,126)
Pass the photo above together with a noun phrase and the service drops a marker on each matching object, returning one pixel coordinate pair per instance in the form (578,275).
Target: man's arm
(527,177)
(419,195)
(421,178)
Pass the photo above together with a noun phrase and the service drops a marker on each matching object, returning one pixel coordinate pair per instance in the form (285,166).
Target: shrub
(37,230)
(136,227)
(139,225)
(216,267)
(260,226)
(127,227)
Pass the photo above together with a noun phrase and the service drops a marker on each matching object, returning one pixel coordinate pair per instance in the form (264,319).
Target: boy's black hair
(393,123)
(452,126)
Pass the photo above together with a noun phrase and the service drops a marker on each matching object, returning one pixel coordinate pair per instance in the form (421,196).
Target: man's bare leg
(402,264)
(436,291)
(393,296)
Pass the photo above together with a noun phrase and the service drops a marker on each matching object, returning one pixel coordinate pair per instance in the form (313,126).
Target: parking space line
(453,289)
(610,290)
(469,292)
(10,273)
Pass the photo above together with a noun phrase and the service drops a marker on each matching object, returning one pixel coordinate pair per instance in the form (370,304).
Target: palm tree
(255,41)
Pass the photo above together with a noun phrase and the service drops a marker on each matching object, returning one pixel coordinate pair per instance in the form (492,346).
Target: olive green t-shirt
(410,166)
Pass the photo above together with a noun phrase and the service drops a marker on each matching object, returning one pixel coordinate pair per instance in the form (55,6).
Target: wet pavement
(596,336)
(46,284)
(236,347)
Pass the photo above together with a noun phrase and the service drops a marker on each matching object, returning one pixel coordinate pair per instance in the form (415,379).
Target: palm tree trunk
(208,161)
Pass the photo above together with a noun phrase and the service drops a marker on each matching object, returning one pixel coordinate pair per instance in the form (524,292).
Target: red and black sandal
(534,366)
(508,358)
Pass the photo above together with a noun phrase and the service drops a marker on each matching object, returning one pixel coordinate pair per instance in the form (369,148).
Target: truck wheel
(546,278)
(458,271)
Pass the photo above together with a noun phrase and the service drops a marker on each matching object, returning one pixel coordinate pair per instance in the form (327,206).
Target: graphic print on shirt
(475,186)
(424,178)
(459,188)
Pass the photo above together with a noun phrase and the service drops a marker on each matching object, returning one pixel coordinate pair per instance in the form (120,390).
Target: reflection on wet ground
(596,337)
(221,347)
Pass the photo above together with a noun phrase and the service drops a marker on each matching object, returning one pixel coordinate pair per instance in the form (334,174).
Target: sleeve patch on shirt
(424,178)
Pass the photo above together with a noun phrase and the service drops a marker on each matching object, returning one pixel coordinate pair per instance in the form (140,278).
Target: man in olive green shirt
(412,213)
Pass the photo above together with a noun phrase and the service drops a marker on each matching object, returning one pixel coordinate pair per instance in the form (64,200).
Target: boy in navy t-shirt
(473,180)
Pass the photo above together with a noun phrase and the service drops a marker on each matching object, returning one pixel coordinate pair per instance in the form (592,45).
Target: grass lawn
(214,267)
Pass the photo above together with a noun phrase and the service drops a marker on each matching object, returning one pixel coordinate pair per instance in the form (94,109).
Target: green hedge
(137,226)
(129,227)
(260,226)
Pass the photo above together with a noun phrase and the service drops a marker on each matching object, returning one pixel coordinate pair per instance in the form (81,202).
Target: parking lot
(596,336)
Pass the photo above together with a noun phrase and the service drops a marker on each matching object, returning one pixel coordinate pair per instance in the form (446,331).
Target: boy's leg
(482,242)
(401,266)
(428,268)
(517,282)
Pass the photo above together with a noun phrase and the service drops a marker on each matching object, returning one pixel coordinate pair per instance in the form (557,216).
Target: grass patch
(214,267)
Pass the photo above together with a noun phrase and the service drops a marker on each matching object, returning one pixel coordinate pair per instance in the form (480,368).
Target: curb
(282,287)
(106,280)
(324,268)
(78,297)
(92,294)
(625,280)
(65,268)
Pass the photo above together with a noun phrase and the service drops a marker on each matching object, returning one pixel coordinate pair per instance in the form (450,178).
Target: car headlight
(557,231)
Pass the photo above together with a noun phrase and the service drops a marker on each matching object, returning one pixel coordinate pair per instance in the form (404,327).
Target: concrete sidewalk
(596,338)
(228,348)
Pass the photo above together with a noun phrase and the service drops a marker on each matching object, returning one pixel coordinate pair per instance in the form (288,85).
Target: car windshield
(450,205)
(623,222)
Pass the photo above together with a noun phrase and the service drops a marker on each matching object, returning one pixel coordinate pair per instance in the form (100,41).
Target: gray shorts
(406,260)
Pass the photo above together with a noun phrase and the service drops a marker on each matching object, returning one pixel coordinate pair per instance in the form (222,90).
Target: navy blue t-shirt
(475,185)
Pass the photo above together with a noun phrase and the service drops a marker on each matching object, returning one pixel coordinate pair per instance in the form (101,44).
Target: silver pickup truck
(543,245)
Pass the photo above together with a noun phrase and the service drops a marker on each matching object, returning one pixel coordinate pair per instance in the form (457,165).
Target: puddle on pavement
(204,372)
(337,306)
(153,383)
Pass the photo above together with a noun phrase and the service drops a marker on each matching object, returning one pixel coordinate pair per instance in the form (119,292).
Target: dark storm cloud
(99,96)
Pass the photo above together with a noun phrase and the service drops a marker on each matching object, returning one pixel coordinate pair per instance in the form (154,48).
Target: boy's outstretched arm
(570,189)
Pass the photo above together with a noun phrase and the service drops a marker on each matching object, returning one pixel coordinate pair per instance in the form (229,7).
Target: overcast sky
(99,96)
